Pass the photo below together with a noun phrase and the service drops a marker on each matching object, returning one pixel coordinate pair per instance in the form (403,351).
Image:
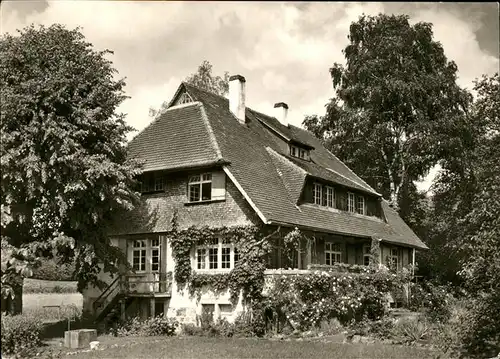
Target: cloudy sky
(284,50)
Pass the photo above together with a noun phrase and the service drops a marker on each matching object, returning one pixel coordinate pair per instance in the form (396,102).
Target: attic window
(298,152)
(150,183)
(185,98)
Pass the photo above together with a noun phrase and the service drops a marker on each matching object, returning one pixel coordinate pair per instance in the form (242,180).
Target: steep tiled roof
(180,137)
(259,163)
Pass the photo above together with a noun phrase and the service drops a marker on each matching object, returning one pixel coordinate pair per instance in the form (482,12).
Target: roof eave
(190,166)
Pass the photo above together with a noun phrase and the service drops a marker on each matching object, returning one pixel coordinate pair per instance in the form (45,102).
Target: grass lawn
(206,348)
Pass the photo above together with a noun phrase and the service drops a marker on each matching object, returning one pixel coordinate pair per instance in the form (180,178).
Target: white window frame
(334,251)
(204,263)
(299,152)
(330,197)
(203,178)
(140,247)
(144,248)
(155,246)
(318,188)
(351,202)
(360,199)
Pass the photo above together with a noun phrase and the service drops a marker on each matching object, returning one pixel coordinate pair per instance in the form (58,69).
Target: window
(299,152)
(366,255)
(225,310)
(139,255)
(317,193)
(159,184)
(146,255)
(155,255)
(201,254)
(152,182)
(200,187)
(330,197)
(226,257)
(394,258)
(218,254)
(333,253)
(360,205)
(350,202)
(213,258)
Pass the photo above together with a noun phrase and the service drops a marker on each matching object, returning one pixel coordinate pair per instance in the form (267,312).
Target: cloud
(283,49)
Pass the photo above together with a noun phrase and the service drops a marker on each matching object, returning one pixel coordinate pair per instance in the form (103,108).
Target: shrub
(382,329)
(36,286)
(411,330)
(157,326)
(247,325)
(192,330)
(224,328)
(51,270)
(434,300)
(480,332)
(330,326)
(21,334)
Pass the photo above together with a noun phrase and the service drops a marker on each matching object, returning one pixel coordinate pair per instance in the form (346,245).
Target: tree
(397,105)
(65,172)
(466,173)
(203,79)
(481,225)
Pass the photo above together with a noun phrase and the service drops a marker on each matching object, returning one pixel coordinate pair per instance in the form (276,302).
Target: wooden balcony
(147,284)
(132,285)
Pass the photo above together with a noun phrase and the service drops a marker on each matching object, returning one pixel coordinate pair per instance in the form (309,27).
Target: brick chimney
(281,112)
(237,96)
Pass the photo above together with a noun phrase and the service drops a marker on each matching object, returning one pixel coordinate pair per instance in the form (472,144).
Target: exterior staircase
(113,302)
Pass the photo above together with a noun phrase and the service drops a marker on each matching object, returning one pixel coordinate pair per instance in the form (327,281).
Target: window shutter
(218,185)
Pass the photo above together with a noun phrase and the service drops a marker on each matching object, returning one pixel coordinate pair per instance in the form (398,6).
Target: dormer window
(317,193)
(298,152)
(360,205)
(350,202)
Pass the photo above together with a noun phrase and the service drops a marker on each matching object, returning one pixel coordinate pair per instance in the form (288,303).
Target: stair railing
(107,295)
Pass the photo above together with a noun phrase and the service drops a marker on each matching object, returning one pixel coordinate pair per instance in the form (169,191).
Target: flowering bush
(306,300)
(433,299)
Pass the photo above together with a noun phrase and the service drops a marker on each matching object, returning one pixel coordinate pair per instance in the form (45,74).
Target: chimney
(237,96)
(281,110)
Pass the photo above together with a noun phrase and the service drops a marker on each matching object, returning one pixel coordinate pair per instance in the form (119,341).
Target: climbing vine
(247,277)
(375,253)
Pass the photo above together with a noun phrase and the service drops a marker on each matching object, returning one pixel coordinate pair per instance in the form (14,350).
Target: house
(212,161)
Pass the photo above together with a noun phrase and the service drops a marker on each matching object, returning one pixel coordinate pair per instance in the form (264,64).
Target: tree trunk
(14,305)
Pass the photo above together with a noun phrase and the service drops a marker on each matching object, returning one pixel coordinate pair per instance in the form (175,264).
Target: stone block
(80,338)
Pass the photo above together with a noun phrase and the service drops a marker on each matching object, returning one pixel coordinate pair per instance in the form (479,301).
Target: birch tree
(397,105)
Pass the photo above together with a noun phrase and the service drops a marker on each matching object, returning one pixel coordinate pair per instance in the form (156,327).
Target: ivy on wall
(247,277)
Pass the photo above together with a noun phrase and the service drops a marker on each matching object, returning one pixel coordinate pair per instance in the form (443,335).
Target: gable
(178,138)
(258,163)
